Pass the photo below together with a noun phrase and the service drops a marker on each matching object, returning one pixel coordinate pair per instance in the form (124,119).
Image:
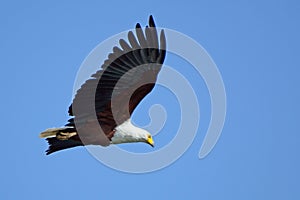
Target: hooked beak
(150,142)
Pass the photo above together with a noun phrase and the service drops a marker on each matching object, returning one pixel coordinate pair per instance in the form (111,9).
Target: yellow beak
(150,141)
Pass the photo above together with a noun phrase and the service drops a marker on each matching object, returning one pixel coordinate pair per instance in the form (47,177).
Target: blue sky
(255,45)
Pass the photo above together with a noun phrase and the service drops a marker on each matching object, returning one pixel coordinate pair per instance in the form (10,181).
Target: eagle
(102,107)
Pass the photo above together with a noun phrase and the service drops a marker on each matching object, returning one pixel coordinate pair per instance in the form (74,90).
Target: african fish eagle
(102,107)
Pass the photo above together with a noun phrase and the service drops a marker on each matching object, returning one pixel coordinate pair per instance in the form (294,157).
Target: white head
(127,132)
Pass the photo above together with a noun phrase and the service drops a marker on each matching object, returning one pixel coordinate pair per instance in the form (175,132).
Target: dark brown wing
(126,77)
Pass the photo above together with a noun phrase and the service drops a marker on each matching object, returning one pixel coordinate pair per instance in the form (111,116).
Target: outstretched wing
(126,77)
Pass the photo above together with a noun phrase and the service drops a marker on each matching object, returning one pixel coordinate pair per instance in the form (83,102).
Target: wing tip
(138,25)
(151,21)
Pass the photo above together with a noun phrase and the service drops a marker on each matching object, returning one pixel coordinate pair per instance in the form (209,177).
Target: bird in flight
(101,109)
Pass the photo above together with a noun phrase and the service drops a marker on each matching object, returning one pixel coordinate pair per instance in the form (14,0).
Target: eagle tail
(61,138)
(51,132)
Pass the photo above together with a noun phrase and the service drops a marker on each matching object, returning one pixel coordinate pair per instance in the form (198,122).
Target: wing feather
(125,78)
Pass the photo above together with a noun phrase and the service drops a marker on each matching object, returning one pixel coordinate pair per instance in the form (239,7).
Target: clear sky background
(255,45)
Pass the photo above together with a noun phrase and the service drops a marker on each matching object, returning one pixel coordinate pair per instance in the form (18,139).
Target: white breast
(127,132)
